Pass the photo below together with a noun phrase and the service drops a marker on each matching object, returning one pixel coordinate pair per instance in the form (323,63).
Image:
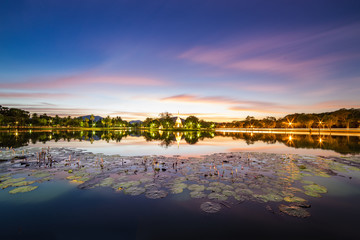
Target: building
(178,123)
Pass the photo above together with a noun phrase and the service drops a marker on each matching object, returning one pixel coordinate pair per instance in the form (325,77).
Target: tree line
(342,118)
(13,117)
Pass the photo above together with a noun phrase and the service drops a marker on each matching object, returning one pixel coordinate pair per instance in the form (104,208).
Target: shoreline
(262,130)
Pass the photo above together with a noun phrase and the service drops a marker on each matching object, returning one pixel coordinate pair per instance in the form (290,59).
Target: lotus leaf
(243,191)
(322,174)
(151,186)
(315,188)
(269,197)
(294,199)
(196,187)
(107,182)
(196,194)
(239,185)
(210,207)
(294,211)
(216,184)
(134,191)
(22,183)
(312,194)
(154,194)
(228,193)
(217,196)
(10,182)
(240,198)
(228,187)
(176,190)
(23,189)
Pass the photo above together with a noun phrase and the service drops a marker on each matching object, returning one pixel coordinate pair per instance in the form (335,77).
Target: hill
(97,118)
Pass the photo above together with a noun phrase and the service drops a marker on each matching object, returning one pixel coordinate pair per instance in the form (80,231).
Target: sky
(218,60)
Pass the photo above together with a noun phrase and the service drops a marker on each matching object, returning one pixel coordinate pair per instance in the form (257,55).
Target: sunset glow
(219,61)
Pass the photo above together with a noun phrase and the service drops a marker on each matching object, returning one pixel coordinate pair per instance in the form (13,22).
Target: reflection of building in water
(178,123)
(178,136)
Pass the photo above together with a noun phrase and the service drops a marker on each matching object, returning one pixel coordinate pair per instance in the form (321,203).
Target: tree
(191,122)
(92,118)
(330,120)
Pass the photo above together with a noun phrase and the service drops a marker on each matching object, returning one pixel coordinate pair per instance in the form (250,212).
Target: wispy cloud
(261,107)
(295,54)
(219,100)
(38,95)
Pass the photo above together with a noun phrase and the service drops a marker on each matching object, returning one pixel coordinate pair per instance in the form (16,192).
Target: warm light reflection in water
(184,143)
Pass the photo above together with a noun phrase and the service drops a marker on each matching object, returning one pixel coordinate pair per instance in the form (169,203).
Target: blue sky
(220,60)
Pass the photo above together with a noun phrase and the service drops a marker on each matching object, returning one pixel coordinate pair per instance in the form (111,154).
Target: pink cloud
(220,100)
(293,54)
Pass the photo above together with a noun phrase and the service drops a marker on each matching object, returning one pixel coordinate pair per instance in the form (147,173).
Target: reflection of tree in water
(340,144)
(191,137)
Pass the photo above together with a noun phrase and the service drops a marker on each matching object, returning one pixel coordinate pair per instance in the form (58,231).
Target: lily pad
(154,194)
(228,187)
(270,197)
(315,188)
(10,182)
(322,174)
(40,174)
(294,211)
(126,184)
(196,187)
(134,191)
(217,196)
(312,194)
(196,194)
(107,182)
(294,199)
(228,193)
(23,189)
(210,207)
(22,183)
(176,190)
(243,191)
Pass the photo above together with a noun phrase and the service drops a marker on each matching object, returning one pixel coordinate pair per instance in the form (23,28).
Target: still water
(130,143)
(248,177)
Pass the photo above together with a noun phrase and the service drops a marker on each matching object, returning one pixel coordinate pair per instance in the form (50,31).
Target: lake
(178,185)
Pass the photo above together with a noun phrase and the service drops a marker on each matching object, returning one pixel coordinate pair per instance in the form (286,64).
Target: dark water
(60,210)
(103,214)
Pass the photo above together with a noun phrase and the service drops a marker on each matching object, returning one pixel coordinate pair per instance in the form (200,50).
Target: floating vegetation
(40,174)
(197,194)
(154,194)
(294,199)
(196,187)
(295,211)
(22,183)
(210,207)
(217,196)
(315,188)
(312,194)
(23,189)
(134,191)
(10,182)
(231,177)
